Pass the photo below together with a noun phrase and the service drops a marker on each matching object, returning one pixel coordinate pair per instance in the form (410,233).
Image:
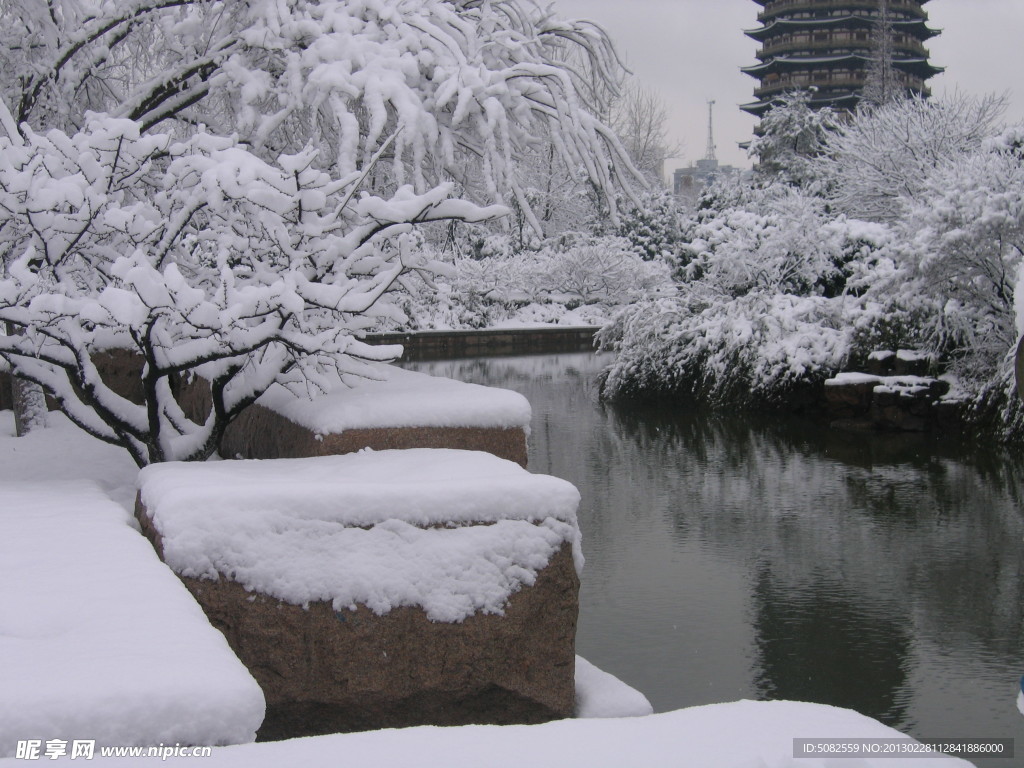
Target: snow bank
(743,734)
(62,451)
(98,639)
(599,694)
(401,398)
(356,528)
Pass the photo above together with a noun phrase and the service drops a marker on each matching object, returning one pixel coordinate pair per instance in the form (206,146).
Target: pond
(757,556)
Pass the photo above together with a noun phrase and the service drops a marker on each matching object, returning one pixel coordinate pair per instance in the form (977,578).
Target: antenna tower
(709,153)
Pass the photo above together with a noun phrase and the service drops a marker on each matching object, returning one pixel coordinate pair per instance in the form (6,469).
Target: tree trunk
(29,405)
(28,400)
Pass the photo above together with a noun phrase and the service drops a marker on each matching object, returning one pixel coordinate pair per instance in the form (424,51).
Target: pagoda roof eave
(762,33)
(758,108)
(917,66)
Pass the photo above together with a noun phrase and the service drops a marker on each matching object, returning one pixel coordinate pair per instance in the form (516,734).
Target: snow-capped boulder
(396,409)
(381,589)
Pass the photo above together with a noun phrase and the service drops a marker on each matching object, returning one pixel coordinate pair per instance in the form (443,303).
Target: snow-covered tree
(641,120)
(462,86)
(964,249)
(201,258)
(792,137)
(881,84)
(878,161)
(230,189)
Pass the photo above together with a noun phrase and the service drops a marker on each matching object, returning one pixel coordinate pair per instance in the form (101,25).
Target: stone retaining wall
(260,433)
(442,345)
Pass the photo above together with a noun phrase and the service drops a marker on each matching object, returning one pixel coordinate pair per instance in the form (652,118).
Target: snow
(356,529)
(742,734)
(400,398)
(98,639)
(53,475)
(910,355)
(599,694)
(64,452)
(1018,301)
(907,383)
(853,377)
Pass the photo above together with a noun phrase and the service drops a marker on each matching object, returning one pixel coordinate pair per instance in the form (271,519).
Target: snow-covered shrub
(761,346)
(653,228)
(778,238)
(605,270)
(952,284)
(604,273)
(764,304)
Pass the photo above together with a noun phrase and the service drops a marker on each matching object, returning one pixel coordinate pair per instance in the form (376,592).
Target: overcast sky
(689,51)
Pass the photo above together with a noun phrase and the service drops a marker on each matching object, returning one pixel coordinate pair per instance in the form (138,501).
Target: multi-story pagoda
(829,45)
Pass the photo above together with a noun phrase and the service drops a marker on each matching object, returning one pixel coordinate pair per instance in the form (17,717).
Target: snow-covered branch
(199,257)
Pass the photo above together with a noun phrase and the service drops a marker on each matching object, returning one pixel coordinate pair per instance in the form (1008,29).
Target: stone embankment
(895,393)
(444,345)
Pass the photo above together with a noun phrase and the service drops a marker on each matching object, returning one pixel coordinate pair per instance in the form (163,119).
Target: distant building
(829,45)
(687,182)
(699,175)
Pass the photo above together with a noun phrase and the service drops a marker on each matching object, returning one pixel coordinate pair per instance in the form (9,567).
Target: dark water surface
(745,556)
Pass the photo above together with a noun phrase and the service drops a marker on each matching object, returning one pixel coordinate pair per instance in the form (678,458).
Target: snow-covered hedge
(760,346)
(769,298)
(584,280)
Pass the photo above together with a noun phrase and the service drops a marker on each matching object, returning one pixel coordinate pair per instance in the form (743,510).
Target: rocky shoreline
(897,392)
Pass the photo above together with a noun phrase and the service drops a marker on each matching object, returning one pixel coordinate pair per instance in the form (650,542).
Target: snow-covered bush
(764,304)
(762,346)
(653,227)
(603,270)
(603,273)
(777,239)
(968,242)
(780,285)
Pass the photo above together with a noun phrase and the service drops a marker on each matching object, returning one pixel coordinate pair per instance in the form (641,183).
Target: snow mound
(743,734)
(382,529)
(62,451)
(98,639)
(400,398)
(891,383)
(600,694)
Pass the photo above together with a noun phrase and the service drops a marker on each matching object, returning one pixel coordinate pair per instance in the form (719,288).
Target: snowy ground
(98,639)
(40,471)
